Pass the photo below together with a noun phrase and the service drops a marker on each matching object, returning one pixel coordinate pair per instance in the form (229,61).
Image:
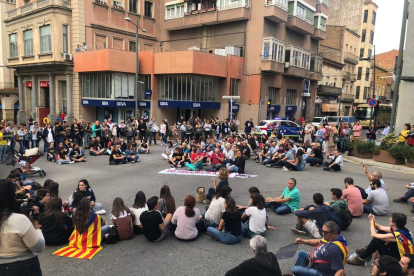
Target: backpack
(233,128)
(346,218)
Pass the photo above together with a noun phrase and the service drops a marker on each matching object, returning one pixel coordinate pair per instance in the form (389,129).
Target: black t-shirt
(151,221)
(232,223)
(142,128)
(178,156)
(117,153)
(124,147)
(58,130)
(145,146)
(30,122)
(52,231)
(52,151)
(318,153)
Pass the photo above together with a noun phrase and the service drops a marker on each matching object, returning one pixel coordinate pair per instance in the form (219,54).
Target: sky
(388,25)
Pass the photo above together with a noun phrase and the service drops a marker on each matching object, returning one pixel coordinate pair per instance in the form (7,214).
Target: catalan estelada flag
(404,241)
(85,245)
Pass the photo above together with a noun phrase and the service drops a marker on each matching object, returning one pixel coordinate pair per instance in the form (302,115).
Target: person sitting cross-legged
(407,195)
(328,257)
(238,164)
(131,154)
(116,156)
(287,202)
(377,200)
(394,240)
(154,225)
(215,160)
(336,164)
(264,263)
(224,181)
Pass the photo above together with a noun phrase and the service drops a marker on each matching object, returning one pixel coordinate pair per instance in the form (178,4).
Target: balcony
(296,72)
(276,10)
(300,24)
(346,76)
(235,12)
(329,90)
(351,58)
(34,6)
(273,66)
(322,7)
(319,33)
(347,98)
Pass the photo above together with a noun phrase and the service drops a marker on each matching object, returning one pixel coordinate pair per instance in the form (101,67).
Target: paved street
(203,256)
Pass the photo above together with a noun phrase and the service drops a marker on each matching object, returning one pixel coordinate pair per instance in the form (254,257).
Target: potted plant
(351,147)
(384,155)
(399,153)
(409,156)
(365,150)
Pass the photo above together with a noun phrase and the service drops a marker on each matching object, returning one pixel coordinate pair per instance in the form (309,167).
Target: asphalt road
(203,256)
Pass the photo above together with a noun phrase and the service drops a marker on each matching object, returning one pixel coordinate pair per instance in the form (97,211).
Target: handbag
(17,137)
(201,194)
(112,235)
(39,135)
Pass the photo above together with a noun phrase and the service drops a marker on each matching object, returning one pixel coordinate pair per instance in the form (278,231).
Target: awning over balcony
(329,107)
(329,90)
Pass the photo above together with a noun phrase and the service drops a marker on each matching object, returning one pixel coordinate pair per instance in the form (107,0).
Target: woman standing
(339,144)
(231,221)
(163,132)
(36,135)
(207,129)
(22,132)
(331,132)
(371,133)
(21,237)
(347,136)
(403,136)
(186,218)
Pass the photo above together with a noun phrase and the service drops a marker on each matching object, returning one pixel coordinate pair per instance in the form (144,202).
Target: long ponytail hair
(189,204)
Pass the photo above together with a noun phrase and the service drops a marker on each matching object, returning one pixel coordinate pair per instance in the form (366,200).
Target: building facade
(388,60)
(9,93)
(339,51)
(360,17)
(190,56)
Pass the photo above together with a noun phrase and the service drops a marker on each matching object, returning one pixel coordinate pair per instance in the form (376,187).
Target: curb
(369,162)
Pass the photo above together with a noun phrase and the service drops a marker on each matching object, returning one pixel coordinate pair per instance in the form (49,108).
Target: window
(366,89)
(359,73)
(364,33)
(64,97)
(289,96)
(189,88)
(28,42)
(374,17)
(273,49)
(45,42)
(371,37)
(358,91)
(174,11)
(133,4)
(273,95)
(65,38)
(100,42)
(131,46)
(367,75)
(298,57)
(361,53)
(300,11)
(234,87)
(327,81)
(13,45)
(145,84)
(148,9)
(117,43)
(365,16)
(369,53)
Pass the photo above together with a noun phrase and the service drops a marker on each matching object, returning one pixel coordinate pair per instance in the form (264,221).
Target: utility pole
(399,67)
(373,94)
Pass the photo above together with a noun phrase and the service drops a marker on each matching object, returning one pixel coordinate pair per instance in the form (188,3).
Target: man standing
(153,129)
(10,132)
(142,129)
(30,121)
(328,257)
(248,126)
(3,145)
(288,201)
(353,196)
(225,128)
(377,201)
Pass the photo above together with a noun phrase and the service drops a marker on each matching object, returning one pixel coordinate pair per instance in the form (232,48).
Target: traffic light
(269,103)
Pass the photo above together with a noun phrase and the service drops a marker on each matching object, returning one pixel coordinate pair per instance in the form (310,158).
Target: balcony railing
(329,90)
(233,5)
(351,58)
(282,4)
(324,2)
(303,18)
(35,5)
(322,28)
(347,97)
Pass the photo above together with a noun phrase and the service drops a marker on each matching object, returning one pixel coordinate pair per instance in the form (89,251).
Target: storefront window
(145,82)
(108,85)
(189,88)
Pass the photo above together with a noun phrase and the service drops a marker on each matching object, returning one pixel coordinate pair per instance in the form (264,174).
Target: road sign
(372,102)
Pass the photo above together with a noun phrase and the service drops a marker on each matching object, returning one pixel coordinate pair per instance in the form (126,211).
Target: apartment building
(190,55)
(388,60)
(360,17)
(9,94)
(382,85)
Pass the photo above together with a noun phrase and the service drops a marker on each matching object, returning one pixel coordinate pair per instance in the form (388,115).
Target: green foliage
(352,144)
(365,147)
(376,149)
(389,141)
(409,154)
(398,151)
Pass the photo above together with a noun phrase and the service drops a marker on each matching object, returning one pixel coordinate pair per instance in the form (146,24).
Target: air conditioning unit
(67,56)
(287,64)
(194,48)
(220,52)
(232,50)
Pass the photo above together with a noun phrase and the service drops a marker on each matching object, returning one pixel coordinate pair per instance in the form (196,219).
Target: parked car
(337,119)
(289,128)
(317,121)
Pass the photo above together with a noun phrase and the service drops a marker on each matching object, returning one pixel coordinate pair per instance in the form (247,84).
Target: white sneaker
(206,201)
(285,169)
(164,156)
(100,212)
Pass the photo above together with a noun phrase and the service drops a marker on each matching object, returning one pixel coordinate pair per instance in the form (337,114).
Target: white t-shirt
(137,213)
(162,128)
(215,210)
(257,219)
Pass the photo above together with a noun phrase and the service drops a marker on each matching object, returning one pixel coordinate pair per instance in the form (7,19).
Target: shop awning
(108,102)
(329,107)
(185,104)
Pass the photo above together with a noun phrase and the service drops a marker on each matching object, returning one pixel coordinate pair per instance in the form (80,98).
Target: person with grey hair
(328,257)
(375,175)
(264,263)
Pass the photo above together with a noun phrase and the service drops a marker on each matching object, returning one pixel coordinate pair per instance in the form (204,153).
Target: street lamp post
(373,87)
(231,98)
(136,86)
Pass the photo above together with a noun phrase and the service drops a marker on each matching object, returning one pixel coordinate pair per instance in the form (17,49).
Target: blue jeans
(279,208)
(104,231)
(46,146)
(35,143)
(408,194)
(232,168)
(3,150)
(368,209)
(87,137)
(130,159)
(153,136)
(371,140)
(142,151)
(22,146)
(27,267)
(63,161)
(224,237)
(301,266)
(246,232)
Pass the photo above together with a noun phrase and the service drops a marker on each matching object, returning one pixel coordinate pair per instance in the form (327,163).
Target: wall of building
(346,13)
(387,60)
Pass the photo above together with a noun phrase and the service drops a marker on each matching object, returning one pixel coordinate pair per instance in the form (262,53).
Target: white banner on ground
(204,173)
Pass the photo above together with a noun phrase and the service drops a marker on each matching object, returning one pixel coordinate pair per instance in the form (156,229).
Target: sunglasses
(326,232)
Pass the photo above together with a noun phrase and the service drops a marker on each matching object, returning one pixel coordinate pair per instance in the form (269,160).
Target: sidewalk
(371,162)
